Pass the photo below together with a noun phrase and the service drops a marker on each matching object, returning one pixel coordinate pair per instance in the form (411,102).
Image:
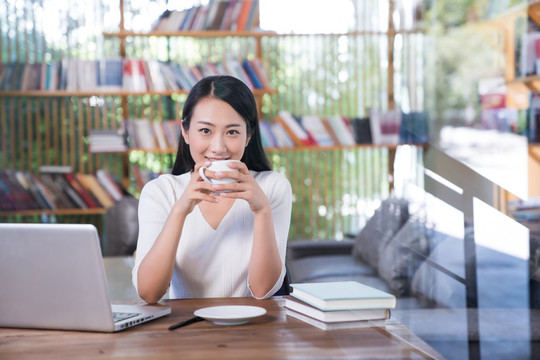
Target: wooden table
(271,336)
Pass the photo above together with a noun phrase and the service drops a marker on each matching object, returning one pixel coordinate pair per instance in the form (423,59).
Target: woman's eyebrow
(209,123)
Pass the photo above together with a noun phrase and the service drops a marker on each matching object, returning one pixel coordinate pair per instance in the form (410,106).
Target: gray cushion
(397,263)
(122,228)
(311,268)
(380,229)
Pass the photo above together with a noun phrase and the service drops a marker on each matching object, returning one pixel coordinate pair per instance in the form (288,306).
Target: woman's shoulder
(166,181)
(272,179)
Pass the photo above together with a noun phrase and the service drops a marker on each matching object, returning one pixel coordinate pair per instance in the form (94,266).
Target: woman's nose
(218,144)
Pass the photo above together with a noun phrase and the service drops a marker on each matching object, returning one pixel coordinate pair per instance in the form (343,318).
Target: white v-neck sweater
(211,263)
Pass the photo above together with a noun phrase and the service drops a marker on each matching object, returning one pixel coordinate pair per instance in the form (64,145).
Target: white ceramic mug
(218,165)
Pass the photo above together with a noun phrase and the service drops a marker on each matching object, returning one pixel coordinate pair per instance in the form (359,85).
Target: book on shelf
(362,130)
(106,140)
(261,72)
(141,133)
(414,128)
(109,74)
(15,195)
(90,183)
(109,184)
(253,75)
(302,307)
(173,131)
(385,126)
(133,77)
(342,130)
(50,190)
(330,130)
(88,198)
(237,15)
(281,135)
(43,196)
(335,325)
(71,193)
(160,135)
(315,128)
(228,15)
(341,295)
(293,128)
(246,15)
(63,200)
(267,134)
(233,68)
(62,169)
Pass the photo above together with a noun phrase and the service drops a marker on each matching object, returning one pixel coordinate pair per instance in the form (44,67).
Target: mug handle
(201,173)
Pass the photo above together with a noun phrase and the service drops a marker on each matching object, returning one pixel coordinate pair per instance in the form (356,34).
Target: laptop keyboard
(119,316)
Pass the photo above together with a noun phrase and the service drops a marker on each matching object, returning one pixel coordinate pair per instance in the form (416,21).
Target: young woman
(202,240)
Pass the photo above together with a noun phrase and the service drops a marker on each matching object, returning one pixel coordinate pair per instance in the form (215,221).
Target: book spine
(81,191)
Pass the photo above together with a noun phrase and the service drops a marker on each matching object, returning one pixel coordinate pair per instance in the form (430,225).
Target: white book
(108,184)
(343,295)
(315,127)
(133,78)
(234,68)
(144,134)
(71,75)
(294,126)
(335,315)
(342,131)
(168,77)
(158,83)
(160,135)
(336,325)
(282,138)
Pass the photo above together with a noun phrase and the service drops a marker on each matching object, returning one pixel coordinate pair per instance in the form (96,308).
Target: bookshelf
(521,87)
(68,116)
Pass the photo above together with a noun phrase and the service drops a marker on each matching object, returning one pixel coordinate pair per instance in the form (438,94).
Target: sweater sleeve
(279,192)
(155,203)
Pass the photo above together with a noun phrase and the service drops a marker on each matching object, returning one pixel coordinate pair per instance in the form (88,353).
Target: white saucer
(230,314)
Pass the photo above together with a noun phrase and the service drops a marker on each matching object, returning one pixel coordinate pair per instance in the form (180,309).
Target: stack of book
(133,75)
(57,187)
(106,140)
(233,15)
(339,305)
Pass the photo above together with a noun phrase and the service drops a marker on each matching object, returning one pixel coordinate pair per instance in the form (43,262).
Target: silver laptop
(52,277)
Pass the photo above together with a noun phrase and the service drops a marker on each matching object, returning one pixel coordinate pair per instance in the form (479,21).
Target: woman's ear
(247,141)
(185,135)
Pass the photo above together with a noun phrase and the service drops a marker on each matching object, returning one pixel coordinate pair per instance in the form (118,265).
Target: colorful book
(341,295)
(87,198)
(335,315)
(91,184)
(108,183)
(293,128)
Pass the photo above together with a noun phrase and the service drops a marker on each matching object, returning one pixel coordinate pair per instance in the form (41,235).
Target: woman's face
(216,132)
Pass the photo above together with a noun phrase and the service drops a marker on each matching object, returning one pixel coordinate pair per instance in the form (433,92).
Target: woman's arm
(271,227)
(265,264)
(155,270)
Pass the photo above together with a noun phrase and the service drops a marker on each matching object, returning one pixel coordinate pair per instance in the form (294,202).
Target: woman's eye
(233,132)
(205,131)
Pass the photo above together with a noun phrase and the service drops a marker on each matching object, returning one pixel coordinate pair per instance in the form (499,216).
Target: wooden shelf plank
(254,34)
(300,148)
(534,11)
(63,93)
(94,211)
(532,82)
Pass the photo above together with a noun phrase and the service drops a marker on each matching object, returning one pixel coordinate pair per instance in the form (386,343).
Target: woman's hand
(197,190)
(245,188)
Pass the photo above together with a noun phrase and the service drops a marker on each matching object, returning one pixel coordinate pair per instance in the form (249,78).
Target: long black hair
(235,93)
